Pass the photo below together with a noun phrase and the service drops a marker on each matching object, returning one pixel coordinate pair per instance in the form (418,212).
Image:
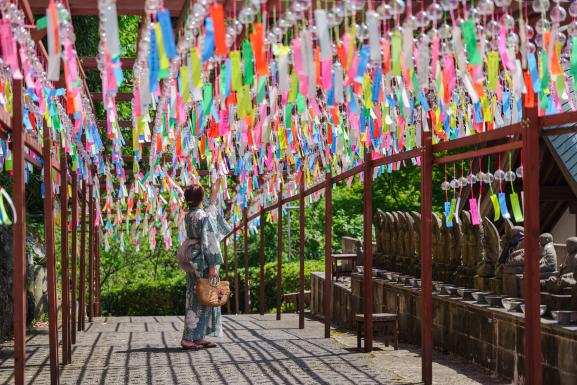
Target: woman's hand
(212,273)
(216,188)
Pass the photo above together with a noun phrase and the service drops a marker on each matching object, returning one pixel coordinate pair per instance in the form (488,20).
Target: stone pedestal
(482,283)
(496,285)
(556,302)
(512,284)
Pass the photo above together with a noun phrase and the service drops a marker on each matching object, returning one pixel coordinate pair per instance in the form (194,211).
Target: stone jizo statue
(492,248)
(513,253)
(548,257)
(565,280)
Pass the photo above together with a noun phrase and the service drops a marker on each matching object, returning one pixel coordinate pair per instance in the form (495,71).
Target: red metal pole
(279,255)
(328,290)
(533,370)
(65,294)
(302,252)
(226,271)
(74,301)
(368,247)
(19,235)
(50,256)
(426,260)
(236,292)
(261,285)
(90,254)
(246,274)
(82,294)
(97,271)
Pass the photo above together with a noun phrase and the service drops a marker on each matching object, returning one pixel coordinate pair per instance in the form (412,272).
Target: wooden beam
(89,63)
(557,193)
(121,123)
(90,8)
(120,96)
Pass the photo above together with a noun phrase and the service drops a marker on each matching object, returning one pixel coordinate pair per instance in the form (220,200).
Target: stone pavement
(254,350)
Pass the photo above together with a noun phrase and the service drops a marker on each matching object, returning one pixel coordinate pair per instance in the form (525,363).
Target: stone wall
(37,299)
(343,315)
(489,337)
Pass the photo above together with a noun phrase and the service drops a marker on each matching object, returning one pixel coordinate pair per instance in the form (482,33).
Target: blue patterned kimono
(208,227)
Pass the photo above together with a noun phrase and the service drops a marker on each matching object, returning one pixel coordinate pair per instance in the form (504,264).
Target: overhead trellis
(265,90)
(286,97)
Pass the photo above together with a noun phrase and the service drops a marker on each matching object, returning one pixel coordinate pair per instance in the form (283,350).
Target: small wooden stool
(390,324)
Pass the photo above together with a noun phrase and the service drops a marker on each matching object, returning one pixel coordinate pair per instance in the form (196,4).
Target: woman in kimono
(207,227)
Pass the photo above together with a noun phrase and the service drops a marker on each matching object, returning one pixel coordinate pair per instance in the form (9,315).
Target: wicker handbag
(212,295)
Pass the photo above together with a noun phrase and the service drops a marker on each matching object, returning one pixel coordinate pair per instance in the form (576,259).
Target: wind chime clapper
(471,177)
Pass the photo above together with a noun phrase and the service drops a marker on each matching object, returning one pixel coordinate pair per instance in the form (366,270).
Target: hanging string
(500,179)
(488,173)
(480,180)
(471,179)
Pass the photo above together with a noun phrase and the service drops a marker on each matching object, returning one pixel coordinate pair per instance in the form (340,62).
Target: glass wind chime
(472,181)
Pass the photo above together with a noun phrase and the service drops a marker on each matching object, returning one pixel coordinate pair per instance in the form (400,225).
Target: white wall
(564,228)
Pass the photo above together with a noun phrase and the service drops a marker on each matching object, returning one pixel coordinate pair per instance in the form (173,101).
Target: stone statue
(474,242)
(456,234)
(401,233)
(492,248)
(408,234)
(513,253)
(379,230)
(437,239)
(445,238)
(416,220)
(395,249)
(388,234)
(548,255)
(565,279)
(466,237)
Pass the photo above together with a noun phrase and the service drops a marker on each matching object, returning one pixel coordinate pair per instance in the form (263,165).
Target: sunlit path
(254,349)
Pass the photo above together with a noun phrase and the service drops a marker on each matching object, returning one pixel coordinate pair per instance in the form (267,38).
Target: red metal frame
(82,294)
(19,235)
(261,281)
(302,252)
(368,248)
(91,218)
(279,254)
(226,271)
(426,259)
(65,293)
(533,370)
(50,260)
(246,272)
(74,262)
(236,292)
(328,284)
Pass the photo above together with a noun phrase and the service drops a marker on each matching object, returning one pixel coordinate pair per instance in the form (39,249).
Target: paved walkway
(255,350)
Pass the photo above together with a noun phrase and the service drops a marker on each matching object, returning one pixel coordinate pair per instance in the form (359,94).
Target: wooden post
(533,370)
(226,270)
(50,256)
(261,283)
(19,235)
(246,273)
(368,247)
(302,252)
(90,254)
(97,270)
(426,260)
(328,290)
(82,294)
(279,254)
(65,293)
(74,246)
(236,292)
